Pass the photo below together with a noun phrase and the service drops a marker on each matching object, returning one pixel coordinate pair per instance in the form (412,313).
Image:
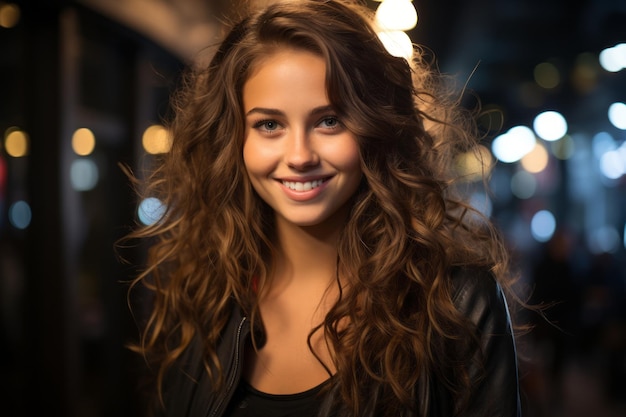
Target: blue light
(604,240)
(150,211)
(84,174)
(20,214)
(543,225)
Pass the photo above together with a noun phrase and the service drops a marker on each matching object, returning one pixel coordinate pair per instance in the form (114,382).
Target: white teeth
(302,186)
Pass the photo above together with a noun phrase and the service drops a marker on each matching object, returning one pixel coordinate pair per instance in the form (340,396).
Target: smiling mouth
(303,186)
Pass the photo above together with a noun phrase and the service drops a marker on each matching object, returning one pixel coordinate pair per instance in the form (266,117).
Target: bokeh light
(604,240)
(396,15)
(514,144)
(550,125)
(150,211)
(397,43)
(612,165)
(613,59)
(563,148)
(16,142)
(474,165)
(523,185)
(602,143)
(547,75)
(84,174)
(83,141)
(536,160)
(9,15)
(20,214)
(156,140)
(543,225)
(617,115)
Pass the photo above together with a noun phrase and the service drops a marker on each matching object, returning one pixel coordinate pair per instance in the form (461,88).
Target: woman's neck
(305,254)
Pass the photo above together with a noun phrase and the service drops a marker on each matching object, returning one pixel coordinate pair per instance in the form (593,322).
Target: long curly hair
(407,229)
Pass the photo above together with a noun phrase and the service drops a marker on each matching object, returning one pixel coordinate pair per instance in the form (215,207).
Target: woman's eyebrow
(277,112)
(322,109)
(264,110)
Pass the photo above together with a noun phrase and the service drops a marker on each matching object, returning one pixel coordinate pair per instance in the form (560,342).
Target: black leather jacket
(188,391)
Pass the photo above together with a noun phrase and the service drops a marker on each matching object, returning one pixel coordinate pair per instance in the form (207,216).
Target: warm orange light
(9,15)
(156,139)
(83,141)
(16,142)
(536,160)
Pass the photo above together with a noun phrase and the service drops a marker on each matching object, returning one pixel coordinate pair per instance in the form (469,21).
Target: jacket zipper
(235,368)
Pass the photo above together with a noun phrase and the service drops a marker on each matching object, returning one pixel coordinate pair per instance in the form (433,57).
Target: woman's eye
(267,125)
(329,122)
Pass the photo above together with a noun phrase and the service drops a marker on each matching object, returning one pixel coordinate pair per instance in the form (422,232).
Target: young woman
(313,259)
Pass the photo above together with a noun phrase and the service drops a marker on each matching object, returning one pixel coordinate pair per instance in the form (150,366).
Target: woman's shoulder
(188,388)
(479,297)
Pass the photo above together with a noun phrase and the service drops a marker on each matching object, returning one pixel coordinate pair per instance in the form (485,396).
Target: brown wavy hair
(407,230)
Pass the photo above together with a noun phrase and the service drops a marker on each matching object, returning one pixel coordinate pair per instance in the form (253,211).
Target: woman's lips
(303,190)
(302,186)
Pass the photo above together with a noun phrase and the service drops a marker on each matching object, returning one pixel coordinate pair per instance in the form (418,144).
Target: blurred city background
(84,87)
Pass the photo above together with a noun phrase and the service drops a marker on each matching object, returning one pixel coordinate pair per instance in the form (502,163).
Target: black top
(249,402)
(189,390)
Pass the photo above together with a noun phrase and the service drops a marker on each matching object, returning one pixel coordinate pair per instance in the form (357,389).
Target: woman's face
(299,157)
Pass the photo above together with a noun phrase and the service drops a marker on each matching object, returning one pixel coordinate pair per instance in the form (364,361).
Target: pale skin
(305,165)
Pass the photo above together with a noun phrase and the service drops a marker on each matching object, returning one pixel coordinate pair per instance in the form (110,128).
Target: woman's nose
(300,153)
